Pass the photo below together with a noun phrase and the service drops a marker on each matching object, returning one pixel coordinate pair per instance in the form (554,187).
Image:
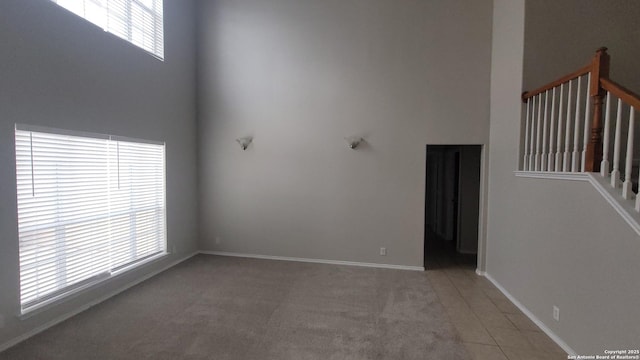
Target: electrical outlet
(173,248)
(218,240)
(383,251)
(556,313)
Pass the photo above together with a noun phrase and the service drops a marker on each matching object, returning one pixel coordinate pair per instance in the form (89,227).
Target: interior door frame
(482,203)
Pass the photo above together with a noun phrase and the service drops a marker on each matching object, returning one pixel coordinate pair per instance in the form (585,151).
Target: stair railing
(553,140)
(625,99)
(568,126)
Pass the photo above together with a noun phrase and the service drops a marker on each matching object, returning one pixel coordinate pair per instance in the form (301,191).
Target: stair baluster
(526,138)
(543,160)
(566,164)
(576,130)
(532,139)
(615,174)
(550,160)
(538,132)
(587,118)
(559,147)
(604,166)
(627,185)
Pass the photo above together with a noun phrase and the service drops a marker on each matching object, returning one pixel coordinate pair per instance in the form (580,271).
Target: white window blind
(138,21)
(88,206)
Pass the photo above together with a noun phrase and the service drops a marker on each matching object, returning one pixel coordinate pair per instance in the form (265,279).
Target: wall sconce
(244,142)
(353,141)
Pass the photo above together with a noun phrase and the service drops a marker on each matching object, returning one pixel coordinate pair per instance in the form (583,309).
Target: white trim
(317,261)
(90,304)
(624,207)
(532,317)
(553,175)
(483,208)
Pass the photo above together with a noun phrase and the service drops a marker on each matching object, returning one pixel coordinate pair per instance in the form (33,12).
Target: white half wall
(299,76)
(58,70)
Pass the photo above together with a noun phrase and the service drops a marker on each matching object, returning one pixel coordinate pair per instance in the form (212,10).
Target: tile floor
(490,326)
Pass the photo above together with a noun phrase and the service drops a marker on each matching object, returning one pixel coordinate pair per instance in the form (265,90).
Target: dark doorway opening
(452,205)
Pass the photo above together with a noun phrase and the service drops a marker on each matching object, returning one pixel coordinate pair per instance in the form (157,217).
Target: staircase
(582,127)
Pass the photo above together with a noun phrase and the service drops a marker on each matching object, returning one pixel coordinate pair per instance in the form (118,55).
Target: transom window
(138,21)
(89,206)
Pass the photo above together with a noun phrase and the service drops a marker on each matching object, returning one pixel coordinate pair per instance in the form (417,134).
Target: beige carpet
(212,307)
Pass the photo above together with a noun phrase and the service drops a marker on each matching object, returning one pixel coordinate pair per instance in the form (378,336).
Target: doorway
(452,205)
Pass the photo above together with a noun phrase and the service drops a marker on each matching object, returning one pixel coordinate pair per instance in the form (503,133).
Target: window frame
(156,13)
(28,308)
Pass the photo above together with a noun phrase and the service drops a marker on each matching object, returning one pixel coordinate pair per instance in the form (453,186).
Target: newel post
(600,70)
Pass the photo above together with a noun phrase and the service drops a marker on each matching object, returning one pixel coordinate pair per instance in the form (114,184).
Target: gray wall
(562,36)
(553,242)
(301,75)
(61,71)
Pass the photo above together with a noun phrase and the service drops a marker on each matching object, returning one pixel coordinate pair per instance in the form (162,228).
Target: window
(140,22)
(89,206)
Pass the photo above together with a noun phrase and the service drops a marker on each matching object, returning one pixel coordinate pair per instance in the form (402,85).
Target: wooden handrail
(574,75)
(621,92)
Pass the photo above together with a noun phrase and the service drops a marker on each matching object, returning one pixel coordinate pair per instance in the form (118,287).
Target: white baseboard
(530,315)
(95,302)
(317,261)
